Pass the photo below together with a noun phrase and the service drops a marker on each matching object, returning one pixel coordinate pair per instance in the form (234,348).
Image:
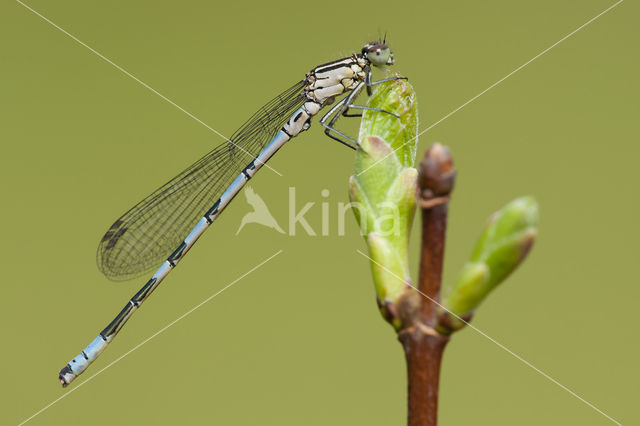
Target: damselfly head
(378,53)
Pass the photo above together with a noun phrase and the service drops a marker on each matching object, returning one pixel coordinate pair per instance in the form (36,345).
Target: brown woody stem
(422,344)
(423,353)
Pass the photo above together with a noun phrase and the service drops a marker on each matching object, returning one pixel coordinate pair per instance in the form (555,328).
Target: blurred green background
(300,340)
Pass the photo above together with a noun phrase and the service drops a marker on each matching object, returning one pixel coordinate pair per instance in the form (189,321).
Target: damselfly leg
(369,83)
(368,108)
(328,127)
(342,109)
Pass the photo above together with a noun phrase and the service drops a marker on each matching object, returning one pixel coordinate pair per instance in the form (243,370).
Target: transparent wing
(146,235)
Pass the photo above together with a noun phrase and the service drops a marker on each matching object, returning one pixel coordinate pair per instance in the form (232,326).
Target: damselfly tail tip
(66,376)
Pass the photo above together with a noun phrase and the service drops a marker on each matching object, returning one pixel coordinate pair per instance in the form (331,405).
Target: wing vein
(145,235)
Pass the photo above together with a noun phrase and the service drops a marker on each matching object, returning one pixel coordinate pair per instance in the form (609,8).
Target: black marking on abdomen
(64,372)
(118,321)
(251,166)
(85,356)
(285,131)
(177,254)
(142,294)
(212,211)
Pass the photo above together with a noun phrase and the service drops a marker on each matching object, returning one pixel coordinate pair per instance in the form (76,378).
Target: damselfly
(149,233)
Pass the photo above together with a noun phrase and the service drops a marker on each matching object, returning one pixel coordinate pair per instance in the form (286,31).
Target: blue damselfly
(153,231)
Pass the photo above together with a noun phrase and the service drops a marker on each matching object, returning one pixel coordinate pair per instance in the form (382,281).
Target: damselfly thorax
(327,81)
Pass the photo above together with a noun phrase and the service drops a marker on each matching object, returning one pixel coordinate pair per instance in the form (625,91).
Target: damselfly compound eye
(378,54)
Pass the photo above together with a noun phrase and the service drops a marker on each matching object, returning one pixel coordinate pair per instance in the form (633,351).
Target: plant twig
(422,344)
